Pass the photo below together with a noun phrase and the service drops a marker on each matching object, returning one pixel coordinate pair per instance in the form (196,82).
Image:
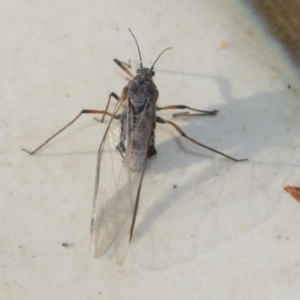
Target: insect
(118,182)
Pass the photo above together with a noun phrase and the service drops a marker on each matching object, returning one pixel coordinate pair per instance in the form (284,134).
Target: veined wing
(118,183)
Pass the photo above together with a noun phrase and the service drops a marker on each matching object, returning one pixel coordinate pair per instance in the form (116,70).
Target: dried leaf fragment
(294,191)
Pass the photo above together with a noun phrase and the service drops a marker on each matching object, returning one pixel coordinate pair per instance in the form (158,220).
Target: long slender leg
(108,102)
(122,66)
(84,111)
(186,113)
(160,120)
(128,65)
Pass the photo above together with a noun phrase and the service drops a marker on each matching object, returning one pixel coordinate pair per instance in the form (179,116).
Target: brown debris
(294,191)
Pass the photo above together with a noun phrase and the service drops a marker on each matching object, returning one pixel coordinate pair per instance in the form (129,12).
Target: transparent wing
(118,184)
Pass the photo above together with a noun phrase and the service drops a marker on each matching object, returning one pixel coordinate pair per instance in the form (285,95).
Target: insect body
(118,182)
(138,119)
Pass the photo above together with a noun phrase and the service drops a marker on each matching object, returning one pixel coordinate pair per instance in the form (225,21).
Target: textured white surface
(228,231)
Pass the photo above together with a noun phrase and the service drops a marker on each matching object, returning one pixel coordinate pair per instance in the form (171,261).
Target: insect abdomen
(139,139)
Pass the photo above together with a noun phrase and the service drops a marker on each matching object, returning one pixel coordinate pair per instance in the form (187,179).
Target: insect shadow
(261,118)
(118,183)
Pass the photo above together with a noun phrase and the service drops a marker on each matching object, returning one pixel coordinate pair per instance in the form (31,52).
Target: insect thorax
(141,92)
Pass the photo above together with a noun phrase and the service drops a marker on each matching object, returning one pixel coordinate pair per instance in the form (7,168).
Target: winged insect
(118,182)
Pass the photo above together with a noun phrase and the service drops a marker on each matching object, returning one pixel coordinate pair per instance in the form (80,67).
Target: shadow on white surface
(216,199)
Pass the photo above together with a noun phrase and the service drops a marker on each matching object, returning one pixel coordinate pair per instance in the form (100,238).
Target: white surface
(227,232)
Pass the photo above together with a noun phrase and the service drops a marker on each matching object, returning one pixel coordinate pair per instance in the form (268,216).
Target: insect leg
(84,111)
(160,120)
(122,66)
(186,113)
(128,65)
(108,102)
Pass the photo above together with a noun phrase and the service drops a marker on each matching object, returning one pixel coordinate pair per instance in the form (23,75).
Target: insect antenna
(159,57)
(141,62)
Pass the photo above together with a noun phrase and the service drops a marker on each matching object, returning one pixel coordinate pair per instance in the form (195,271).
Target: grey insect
(118,182)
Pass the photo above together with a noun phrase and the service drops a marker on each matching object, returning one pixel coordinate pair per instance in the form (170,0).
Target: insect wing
(118,184)
(102,227)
